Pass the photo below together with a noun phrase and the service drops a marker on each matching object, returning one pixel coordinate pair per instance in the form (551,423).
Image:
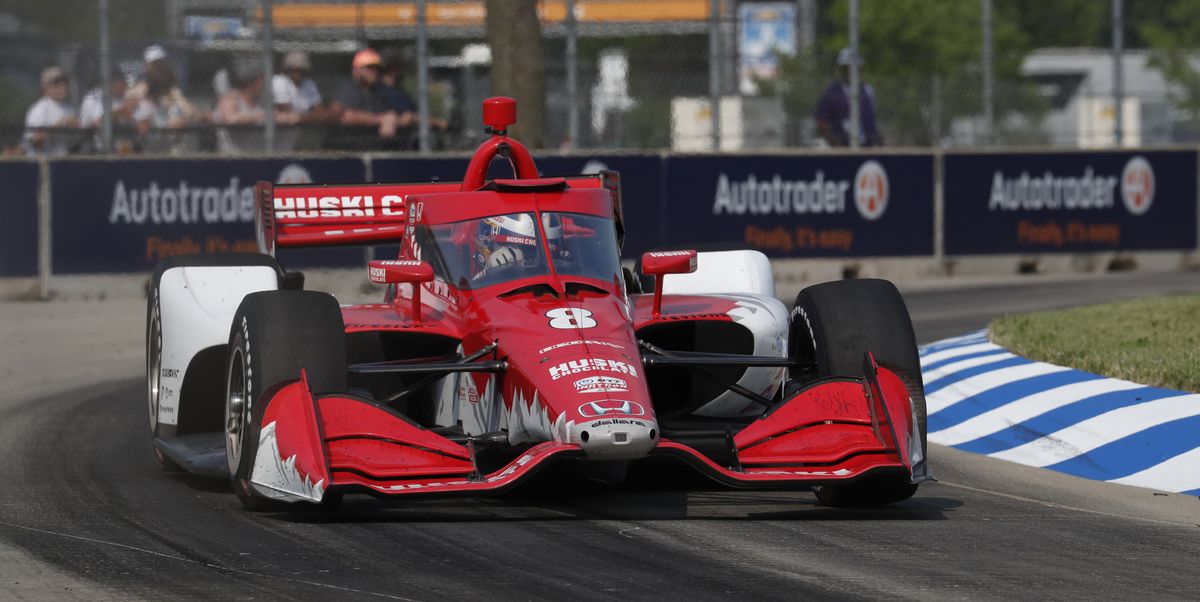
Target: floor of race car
(86,514)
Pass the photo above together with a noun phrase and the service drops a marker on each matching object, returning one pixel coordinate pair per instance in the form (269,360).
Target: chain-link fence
(190,76)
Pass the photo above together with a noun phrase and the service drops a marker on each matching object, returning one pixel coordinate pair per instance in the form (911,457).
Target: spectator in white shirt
(91,110)
(50,111)
(293,90)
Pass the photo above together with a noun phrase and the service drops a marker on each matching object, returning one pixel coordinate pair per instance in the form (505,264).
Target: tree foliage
(1174,40)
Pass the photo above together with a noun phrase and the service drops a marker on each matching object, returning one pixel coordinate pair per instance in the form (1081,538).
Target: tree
(1173,42)
(514,35)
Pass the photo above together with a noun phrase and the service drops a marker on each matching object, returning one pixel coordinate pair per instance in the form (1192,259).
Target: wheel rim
(154,367)
(235,410)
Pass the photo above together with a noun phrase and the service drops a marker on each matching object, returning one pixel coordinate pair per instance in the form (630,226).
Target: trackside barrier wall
(1069,202)
(121,215)
(19,224)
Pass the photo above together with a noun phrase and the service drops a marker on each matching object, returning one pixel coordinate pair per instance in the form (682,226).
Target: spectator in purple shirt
(833,109)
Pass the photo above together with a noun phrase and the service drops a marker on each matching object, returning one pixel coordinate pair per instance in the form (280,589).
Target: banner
(801,205)
(19,226)
(1069,202)
(127,215)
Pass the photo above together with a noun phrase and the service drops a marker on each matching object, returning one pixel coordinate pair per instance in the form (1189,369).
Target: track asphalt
(85,513)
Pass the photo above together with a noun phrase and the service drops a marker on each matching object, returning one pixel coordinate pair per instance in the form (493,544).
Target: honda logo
(596,409)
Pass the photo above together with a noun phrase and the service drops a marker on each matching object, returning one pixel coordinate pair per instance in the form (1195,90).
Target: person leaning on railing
(50,111)
(240,107)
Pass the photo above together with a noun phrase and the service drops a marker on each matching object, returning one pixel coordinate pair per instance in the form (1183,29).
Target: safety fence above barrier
(104,215)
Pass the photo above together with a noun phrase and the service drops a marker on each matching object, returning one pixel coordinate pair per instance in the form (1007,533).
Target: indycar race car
(510,338)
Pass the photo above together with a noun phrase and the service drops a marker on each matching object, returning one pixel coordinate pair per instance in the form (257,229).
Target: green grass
(1153,341)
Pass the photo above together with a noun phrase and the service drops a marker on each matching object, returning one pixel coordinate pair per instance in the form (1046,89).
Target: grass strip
(1154,341)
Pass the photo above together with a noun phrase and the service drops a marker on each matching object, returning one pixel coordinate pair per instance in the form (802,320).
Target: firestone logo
(871,190)
(1137,185)
(597,409)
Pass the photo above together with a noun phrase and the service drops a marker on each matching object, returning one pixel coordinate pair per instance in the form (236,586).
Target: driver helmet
(505,239)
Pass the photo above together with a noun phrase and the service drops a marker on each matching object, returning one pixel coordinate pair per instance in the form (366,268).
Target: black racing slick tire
(833,325)
(275,335)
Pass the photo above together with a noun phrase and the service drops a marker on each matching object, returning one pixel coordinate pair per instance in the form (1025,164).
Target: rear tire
(833,325)
(275,335)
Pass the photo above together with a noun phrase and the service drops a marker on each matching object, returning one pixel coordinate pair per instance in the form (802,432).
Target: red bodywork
(574,384)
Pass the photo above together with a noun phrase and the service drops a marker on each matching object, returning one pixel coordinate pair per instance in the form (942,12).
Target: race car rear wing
(312,215)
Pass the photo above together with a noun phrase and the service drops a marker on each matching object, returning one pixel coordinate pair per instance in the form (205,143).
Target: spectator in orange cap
(365,102)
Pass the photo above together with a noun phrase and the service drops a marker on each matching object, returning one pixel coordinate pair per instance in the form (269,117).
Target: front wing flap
(833,431)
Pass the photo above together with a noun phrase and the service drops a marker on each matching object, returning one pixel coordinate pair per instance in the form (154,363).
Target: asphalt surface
(86,513)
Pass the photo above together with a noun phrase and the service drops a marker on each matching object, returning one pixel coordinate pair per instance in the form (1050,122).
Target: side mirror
(401,271)
(661,263)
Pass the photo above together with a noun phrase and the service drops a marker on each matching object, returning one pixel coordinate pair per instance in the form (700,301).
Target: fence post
(268,92)
(45,241)
(855,117)
(106,128)
(989,107)
(714,70)
(422,77)
(1118,74)
(572,76)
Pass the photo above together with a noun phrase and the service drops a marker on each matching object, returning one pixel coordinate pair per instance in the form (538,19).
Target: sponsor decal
(310,207)
(616,422)
(871,190)
(669,253)
(579,342)
(184,204)
(1051,191)
(780,197)
(377,275)
(399,262)
(1137,185)
(591,365)
(570,318)
(601,384)
(596,409)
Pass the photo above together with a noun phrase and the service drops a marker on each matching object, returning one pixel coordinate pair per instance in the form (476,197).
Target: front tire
(275,335)
(833,325)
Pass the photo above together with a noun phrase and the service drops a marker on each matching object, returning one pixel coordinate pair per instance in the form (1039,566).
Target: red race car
(511,338)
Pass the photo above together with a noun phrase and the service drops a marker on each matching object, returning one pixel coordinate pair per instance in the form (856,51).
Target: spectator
(50,111)
(394,63)
(365,102)
(833,109)
(294,92)
(160,103)
(240,107)
(91,113)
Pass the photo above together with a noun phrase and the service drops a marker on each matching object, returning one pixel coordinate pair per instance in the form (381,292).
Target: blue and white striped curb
(982,398)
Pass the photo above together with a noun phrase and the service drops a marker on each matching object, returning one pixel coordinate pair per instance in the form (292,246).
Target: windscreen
(475,253)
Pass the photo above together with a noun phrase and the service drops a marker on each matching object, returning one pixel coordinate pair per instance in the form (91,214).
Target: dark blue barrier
(1069,202)
(801,205)
(19,227)
(126,215)
(641,184)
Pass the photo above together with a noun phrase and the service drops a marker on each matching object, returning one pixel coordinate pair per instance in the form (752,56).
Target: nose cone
(615,429)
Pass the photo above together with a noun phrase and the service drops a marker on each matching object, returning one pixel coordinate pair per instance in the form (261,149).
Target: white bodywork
(196,305)
(721,272)
(746,278)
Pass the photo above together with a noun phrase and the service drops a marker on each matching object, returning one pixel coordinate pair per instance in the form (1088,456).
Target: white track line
(937,374)
(978,335)
(969,387)
(1024,408)
(1103,429)
(1181,473)
(946,354)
